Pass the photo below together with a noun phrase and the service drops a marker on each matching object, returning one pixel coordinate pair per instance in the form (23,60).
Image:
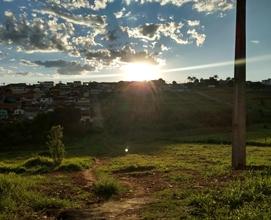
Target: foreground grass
(196,182)
(34,188)
(20,199)
(185,181)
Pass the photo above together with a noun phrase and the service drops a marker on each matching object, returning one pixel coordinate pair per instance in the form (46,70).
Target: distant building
(18,88)
(77,83)
(19,112)
(47,84)
(3,114)
(267,82)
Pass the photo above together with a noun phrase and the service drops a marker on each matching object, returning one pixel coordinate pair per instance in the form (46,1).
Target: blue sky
(91,40)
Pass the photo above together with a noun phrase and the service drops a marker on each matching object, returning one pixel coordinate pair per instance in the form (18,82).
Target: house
(267,82)
(46,100)
(18,88)
(3,114)
(77,83)
(18,112)
(46,85)
(83,104)
(30,115)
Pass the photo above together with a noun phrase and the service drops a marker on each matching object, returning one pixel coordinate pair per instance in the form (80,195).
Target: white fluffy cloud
(100,4)
(193,23)
(207,6)
(199,38)
(210,6)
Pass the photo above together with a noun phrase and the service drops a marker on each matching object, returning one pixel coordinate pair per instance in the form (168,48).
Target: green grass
(245,199)
(40,164)
(20,199)
(106,188)
(202,183)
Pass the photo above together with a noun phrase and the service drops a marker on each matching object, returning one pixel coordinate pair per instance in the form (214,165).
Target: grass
(106,188)
(202,185)
(192,181)
(41,164)
(19,197)
(240,200)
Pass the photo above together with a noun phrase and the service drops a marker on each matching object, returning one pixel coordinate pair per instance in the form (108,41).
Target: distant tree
(55,144)
(193,79)
(174,83)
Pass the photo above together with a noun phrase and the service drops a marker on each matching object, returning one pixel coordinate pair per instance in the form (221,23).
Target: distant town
(24,102)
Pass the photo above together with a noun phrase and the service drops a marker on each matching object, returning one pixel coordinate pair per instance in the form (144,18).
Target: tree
(55,144)
(239,111)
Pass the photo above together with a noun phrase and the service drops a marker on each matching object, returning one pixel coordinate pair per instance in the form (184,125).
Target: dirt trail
(125,208)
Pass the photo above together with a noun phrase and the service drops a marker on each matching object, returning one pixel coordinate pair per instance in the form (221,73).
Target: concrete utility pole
(239,111)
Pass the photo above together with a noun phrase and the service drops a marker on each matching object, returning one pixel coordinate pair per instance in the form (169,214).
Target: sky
(98,40)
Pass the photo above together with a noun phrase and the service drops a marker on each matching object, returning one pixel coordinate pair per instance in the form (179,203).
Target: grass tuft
(106,187)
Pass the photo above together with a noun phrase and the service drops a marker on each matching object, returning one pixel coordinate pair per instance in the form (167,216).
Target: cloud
(211,6)
(22,73)
(27,63)
(172,30)
(200,38)
(70,4)
(65,67)
(93,21)
(193,23)
(205,6)
(154,32)
(255,41)
(100,4)
(122,13)
(125,54)
(37,34)
(13,73)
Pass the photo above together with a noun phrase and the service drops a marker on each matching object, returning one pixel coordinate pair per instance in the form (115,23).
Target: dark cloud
(64,67)
(34,35)
(22,73)
(125,54)
(149,30)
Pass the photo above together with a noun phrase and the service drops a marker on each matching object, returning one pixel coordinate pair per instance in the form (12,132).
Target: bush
(55,144)
(106,187)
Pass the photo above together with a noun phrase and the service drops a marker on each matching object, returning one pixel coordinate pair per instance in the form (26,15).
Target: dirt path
(127,207)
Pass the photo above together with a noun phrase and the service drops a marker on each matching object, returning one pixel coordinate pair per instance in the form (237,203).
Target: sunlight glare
(140,72)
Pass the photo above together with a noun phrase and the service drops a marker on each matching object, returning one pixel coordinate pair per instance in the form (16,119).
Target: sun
(140,71)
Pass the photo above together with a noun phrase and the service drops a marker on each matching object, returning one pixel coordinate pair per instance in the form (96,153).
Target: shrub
(55,144)
(106,187)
